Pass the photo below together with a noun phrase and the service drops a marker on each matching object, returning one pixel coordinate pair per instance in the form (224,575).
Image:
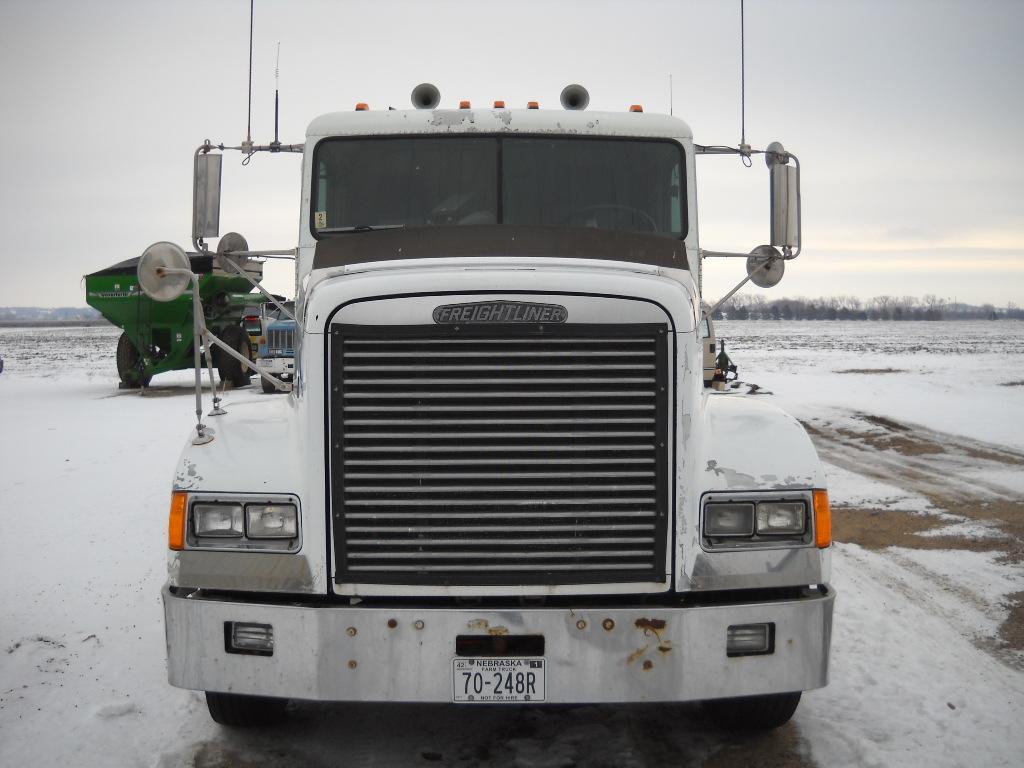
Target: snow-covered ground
(922,672)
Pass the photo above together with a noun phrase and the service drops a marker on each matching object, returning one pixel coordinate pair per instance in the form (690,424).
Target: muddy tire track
(957,476)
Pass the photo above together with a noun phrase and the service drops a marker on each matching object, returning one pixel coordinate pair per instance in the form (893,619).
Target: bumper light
(218,520)
(729,520)
(271,521)
(750,639)
(781,517)
(243,637)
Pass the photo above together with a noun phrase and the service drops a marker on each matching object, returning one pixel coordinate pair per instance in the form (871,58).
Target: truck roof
(489,121)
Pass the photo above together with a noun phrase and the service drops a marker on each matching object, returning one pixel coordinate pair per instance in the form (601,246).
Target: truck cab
(505,480)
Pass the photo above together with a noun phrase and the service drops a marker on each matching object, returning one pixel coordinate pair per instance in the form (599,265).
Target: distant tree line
(930,307)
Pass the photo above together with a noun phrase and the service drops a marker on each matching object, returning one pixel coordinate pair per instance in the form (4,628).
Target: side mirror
(785,197)
(206,196)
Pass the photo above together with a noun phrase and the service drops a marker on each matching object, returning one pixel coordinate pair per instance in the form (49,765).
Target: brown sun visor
(497,241)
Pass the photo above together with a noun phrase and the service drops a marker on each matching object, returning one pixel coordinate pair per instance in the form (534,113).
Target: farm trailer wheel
(129,365)
(228,367)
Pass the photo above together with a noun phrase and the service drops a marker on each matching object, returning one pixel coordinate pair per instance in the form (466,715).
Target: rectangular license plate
(494,679)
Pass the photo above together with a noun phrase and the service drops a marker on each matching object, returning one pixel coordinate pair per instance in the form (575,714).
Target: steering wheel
(580,214)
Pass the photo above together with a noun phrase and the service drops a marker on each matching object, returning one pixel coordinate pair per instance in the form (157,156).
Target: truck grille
(499,454)
(281,341)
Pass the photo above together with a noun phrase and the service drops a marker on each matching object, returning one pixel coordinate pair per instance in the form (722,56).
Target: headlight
(757,519)
(238,522)
(271,521)
(729,520)
(780,518)
(217,520)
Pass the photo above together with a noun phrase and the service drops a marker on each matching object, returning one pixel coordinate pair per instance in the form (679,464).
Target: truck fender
(752,445)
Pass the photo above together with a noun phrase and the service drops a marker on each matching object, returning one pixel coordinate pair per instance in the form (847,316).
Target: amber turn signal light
(176,521)
(822,520)
(362,107)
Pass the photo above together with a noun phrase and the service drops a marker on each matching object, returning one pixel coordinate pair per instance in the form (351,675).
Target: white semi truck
(498,476)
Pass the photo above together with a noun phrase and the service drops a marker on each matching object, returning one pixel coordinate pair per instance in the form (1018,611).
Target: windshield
(631,185)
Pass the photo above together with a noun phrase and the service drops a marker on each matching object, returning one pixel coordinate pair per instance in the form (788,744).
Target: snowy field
(921,426)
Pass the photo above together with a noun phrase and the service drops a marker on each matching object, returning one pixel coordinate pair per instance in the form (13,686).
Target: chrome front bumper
(276,366)
(352,653)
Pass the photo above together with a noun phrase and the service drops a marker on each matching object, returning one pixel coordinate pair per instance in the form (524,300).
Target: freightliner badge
(500,312)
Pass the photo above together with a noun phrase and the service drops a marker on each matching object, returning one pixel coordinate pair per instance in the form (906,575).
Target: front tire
(228,367)
(753,713)
(268,387)
(238,711)
(130,368)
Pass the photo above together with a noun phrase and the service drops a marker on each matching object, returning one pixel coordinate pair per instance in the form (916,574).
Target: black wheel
(239,711)
(228,367)
(753,713)
(129,365)
(268,387)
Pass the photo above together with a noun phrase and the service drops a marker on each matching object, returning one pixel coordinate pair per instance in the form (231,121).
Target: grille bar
(578,514)
(500,407)
(475,422)
(454,354)
(591,502)
(483,462)
(350,476)
(448,529)
(499,454)
(501,568)
(469,394)
(521,555)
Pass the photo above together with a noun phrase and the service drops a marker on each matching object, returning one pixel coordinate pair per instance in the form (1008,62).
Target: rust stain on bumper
(655,625)
(650,627)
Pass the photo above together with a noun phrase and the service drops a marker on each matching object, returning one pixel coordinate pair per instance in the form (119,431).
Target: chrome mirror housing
(785,197)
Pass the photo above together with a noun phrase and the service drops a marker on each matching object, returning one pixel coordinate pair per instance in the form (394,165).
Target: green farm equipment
(158,335)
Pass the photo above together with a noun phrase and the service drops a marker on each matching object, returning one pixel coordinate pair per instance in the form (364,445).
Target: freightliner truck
(498,476)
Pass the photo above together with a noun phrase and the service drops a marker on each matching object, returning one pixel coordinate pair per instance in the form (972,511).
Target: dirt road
(968,485)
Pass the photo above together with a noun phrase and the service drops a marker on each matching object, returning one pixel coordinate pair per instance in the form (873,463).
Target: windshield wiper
(357,228)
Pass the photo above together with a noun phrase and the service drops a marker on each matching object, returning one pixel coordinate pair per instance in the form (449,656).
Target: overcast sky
(907,117)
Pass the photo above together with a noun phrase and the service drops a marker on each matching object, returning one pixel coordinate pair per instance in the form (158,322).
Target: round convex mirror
(765,266)
(227,247)
(154,279)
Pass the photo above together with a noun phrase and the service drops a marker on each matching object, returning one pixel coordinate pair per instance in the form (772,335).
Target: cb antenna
(247,146)
(275,145)
(744,147)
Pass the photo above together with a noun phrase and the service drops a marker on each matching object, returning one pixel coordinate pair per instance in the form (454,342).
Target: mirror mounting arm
(206,186)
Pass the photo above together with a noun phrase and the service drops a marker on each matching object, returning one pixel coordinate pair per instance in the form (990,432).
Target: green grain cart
(158,335)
